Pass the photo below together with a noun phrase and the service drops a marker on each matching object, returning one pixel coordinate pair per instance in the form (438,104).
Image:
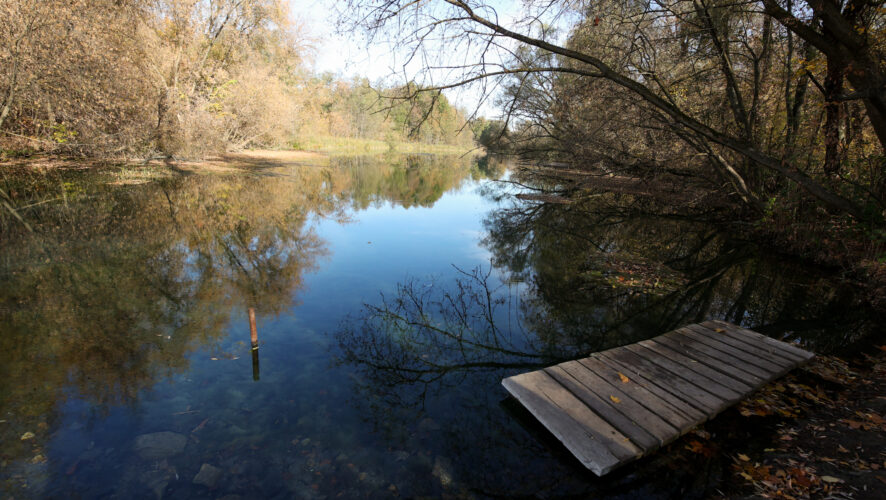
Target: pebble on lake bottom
(159,445)
(208,476)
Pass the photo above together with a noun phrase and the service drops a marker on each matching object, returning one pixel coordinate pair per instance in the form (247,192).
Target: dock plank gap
(625,403)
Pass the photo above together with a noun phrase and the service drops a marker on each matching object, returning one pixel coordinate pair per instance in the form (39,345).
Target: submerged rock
(302,490)
(428,425)
(208,476)
(159,445)
(442,471)
(157,481)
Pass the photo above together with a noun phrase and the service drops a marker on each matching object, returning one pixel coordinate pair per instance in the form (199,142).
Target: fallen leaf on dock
(614,399)
(624,379)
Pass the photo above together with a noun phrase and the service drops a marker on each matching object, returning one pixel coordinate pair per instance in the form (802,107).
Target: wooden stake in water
(253,331)
(253,334)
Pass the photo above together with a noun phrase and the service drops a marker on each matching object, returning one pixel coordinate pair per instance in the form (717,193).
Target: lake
(392,294)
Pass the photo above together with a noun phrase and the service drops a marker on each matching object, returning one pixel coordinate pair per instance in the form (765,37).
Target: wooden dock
(622,404)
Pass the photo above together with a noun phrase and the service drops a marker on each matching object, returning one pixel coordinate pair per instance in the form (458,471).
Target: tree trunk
(10,95)
(795,104)
(833,87)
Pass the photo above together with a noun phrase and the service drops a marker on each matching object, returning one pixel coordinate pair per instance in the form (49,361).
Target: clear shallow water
(392,296)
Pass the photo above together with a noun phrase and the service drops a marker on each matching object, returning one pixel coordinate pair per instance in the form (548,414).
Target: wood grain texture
(698,349)
(702,335)
(590,438)
(680,386)
(673,358)
(627,405)
(759,337)
(605,405)
(754,347)
(698,415)
(619,405)
(677,416)
(736,371)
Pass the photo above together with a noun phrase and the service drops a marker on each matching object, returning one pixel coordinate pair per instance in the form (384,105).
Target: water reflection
(126,313)
(614,275)
(427,334)
(569,280)
(566,280)
(118,285)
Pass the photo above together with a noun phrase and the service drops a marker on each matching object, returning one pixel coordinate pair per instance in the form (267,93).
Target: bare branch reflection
(427,332)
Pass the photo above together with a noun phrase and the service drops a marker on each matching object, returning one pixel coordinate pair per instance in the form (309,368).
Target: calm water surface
(392,295)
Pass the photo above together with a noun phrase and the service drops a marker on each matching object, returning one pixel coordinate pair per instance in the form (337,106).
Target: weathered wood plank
(677,370)
(722,340)
(741,339)
(698,411)
(778,344)
(693,345)
(669,408)
(590,438)
(679,359)
(733,369)
(620,404)
(764,351)
(626,405)
(605,408)
(728,351)
(677,385)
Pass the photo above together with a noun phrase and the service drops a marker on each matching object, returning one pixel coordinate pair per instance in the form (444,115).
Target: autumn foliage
(182,78)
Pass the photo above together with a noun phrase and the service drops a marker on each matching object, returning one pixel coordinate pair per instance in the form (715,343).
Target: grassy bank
(355,146)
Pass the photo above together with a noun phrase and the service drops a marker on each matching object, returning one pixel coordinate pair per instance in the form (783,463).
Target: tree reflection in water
(608,268)
(427,332)
(118,285)
(567,280)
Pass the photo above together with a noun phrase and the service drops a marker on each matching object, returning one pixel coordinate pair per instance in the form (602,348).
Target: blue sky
(342,55)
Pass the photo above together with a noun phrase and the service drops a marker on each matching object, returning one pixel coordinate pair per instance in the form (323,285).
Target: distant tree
(491,134)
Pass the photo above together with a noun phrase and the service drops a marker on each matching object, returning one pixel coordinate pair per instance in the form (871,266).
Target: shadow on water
(125,312)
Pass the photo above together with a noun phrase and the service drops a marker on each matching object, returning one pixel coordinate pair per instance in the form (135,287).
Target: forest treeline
(778,106)
(186,78)
(767,102)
